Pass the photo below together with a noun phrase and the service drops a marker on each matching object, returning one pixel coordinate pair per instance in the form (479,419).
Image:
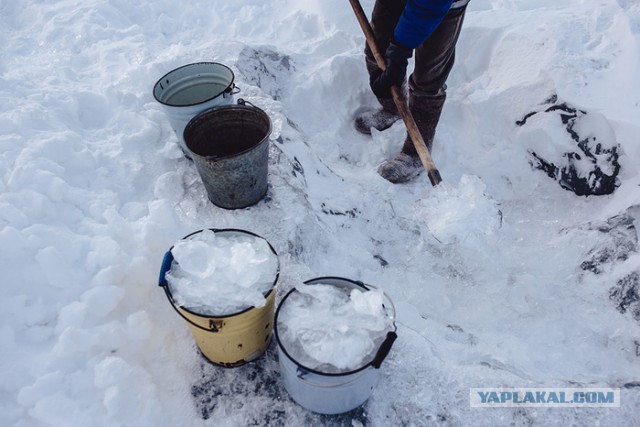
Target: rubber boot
(379,119)
(407,165)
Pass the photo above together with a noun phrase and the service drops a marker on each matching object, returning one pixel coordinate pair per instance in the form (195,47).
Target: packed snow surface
(221,273)
(331,329)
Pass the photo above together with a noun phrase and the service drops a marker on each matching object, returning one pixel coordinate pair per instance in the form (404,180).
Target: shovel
(412,128)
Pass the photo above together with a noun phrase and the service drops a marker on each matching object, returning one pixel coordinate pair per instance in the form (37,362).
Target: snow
(487,272)
(331,329)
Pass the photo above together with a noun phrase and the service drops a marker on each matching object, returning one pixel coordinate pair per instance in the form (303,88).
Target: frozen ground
(501,276)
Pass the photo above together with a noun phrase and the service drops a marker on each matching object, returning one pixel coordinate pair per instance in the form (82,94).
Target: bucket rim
(391,336)
(221,108)
(227,89)
(168,260)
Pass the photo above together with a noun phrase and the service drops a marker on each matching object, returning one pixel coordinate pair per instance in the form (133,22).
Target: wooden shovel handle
(409,122)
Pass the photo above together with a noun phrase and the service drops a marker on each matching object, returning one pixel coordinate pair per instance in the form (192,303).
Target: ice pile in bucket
(332,329)
(216,275)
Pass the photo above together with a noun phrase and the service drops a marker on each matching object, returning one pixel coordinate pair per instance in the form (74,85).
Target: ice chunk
(221,273)
(196,255)
(333,329)
(458,213)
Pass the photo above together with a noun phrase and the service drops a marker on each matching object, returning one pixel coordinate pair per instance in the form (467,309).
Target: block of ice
(457,213)
(217,274)
(333,329)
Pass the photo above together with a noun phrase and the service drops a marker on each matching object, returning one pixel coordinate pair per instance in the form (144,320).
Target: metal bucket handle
(384,350)
(231,90)
(244,102)
(166,266)
(386,345)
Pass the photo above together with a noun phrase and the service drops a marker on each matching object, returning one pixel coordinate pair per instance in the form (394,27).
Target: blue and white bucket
(332,393)
(191,89)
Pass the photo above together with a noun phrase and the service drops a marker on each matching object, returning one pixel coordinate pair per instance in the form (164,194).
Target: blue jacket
(419,19)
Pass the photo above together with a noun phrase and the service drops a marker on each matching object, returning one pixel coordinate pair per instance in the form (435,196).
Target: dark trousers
(433,58)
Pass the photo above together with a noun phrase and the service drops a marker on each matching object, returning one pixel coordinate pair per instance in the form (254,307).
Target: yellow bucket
(230,340)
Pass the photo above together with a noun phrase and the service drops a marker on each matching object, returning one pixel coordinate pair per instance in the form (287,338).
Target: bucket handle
(384,350)
(166,266)
(242,101)
(232,90)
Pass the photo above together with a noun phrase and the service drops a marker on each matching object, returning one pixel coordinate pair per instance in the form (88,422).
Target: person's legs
(435,57)
(407,165)
(427,93)
(384,18)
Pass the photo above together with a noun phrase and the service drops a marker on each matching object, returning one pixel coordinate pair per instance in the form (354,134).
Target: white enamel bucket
(332,393)
(191,89)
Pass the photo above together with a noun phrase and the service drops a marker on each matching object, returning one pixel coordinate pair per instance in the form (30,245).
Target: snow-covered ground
(501,277)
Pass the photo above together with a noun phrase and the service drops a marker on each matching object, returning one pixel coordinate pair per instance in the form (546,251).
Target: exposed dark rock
(264,67)
(621,239)
(615,241)
(626,294)
(592,167)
